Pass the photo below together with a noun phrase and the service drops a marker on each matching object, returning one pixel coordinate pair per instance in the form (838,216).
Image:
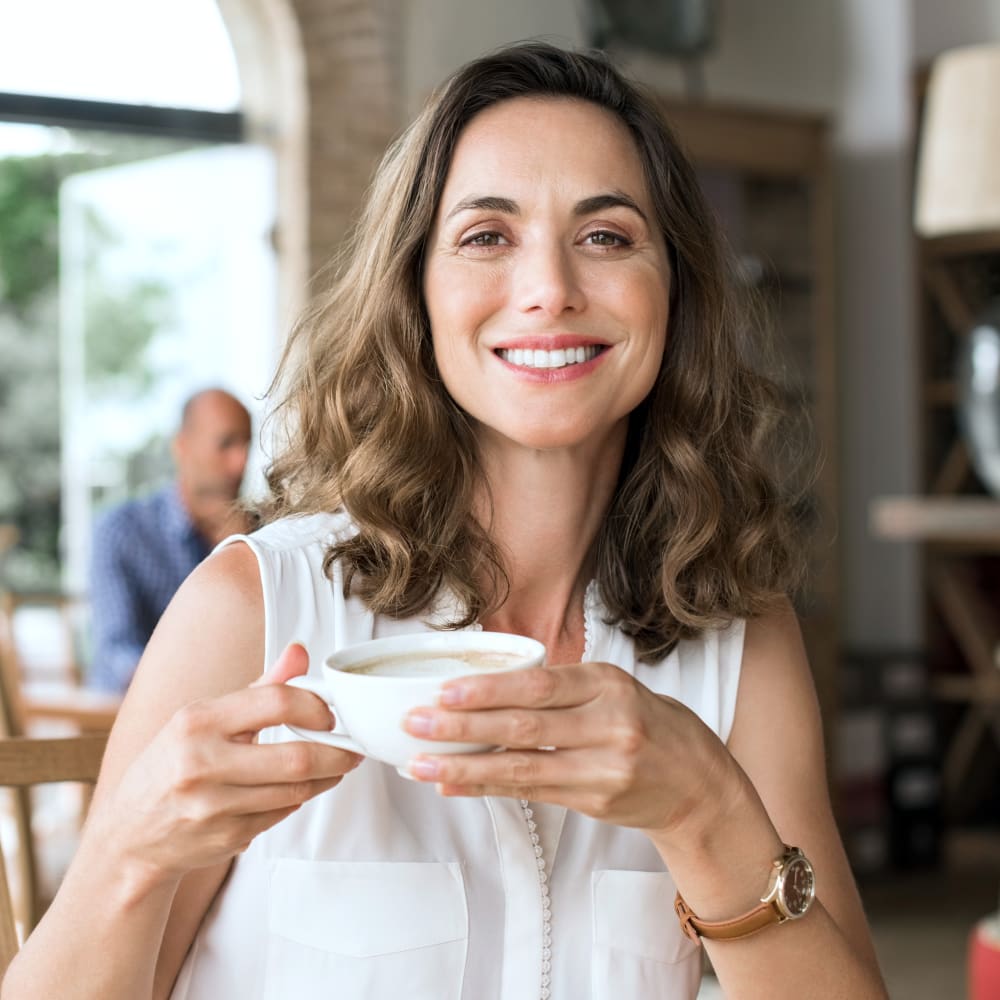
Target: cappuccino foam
(451,664)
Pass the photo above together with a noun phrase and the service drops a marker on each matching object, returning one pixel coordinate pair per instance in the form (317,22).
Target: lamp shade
(958,166)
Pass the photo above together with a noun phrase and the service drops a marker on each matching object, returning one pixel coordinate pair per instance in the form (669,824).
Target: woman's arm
(183,788)
(720,854)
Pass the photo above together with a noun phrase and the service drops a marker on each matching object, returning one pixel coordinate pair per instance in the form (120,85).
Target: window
(173,54)
(136,259)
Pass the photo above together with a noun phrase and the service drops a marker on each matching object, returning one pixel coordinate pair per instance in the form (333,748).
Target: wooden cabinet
(768,174)
(955,521)
(957,524)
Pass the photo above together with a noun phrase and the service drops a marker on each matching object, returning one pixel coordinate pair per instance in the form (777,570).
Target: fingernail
(453,694)
(419,722)
(423,768)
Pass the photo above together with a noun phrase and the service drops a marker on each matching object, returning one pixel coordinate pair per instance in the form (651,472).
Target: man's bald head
(211,446)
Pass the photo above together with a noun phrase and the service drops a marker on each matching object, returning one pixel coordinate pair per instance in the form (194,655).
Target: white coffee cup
(372,686)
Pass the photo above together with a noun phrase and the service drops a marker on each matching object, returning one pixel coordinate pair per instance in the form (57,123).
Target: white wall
(440,35)
(782,53)
(882,601)
(853,60)
(945,24)
(779,52)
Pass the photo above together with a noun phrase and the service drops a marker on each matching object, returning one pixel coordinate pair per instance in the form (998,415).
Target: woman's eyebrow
(586,206)
(488,203)
(613,199)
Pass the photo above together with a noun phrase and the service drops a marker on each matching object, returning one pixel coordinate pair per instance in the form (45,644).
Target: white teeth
(548,359)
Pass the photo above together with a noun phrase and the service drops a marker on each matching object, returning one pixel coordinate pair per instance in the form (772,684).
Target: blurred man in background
(143,549)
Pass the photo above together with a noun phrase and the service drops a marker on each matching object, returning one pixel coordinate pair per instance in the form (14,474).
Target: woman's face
(546,279)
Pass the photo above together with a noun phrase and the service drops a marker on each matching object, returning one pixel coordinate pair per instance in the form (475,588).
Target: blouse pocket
(639,948)
(365,930)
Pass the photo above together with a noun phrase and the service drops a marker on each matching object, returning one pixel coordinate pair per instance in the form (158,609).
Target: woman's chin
(551,438)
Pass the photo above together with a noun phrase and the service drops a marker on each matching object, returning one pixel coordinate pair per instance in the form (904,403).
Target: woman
(523,406)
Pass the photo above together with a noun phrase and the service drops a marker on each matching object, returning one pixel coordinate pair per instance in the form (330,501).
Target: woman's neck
(547,510)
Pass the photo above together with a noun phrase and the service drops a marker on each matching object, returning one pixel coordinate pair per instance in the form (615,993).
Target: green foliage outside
(119,323)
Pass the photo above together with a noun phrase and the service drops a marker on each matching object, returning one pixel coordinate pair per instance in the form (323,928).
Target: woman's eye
(487,239)
(605,238)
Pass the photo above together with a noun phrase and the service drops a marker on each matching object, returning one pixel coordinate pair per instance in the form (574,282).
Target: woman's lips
(559,358)
(552,364)
(549,352)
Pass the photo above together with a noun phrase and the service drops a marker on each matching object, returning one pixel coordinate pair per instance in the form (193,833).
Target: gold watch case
(793,885)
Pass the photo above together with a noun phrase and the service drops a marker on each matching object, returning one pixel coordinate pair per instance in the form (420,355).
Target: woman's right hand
(204,788)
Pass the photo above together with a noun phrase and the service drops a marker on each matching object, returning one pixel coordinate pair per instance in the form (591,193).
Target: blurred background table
(955,530)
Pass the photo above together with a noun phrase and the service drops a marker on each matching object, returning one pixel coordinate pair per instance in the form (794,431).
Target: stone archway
(353,51)
(321,88)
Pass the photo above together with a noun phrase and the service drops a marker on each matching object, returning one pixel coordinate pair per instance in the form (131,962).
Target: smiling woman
(524,407)
(498,236)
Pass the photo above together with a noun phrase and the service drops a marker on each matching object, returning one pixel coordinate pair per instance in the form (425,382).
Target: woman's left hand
(614,750)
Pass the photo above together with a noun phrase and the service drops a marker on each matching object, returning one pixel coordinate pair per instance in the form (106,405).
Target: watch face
(798,887)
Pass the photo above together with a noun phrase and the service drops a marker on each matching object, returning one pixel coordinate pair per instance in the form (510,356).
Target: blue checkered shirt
(142,551)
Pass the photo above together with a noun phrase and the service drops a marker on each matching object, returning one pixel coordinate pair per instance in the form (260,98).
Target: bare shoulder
(774,673)
(213,629)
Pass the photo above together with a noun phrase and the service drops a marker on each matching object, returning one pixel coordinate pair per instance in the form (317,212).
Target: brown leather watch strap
(758,918)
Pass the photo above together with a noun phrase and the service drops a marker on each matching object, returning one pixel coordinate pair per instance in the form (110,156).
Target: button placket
(545,965)
(545,978)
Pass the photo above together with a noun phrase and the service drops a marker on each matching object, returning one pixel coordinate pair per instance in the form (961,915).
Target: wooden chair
(23,709)
(59,695)
(66,625)
(26,762)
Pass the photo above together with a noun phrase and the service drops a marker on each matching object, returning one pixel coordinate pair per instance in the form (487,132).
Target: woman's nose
(547,280)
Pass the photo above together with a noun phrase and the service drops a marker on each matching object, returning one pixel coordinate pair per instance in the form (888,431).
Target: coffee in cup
(461,661)
(372,686)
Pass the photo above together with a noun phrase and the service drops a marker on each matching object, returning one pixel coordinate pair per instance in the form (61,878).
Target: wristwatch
(789,895)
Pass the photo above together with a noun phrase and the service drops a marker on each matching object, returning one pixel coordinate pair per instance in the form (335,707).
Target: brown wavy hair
(701,528)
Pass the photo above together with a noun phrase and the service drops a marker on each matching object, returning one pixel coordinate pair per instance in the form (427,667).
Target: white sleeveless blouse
(380,889)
